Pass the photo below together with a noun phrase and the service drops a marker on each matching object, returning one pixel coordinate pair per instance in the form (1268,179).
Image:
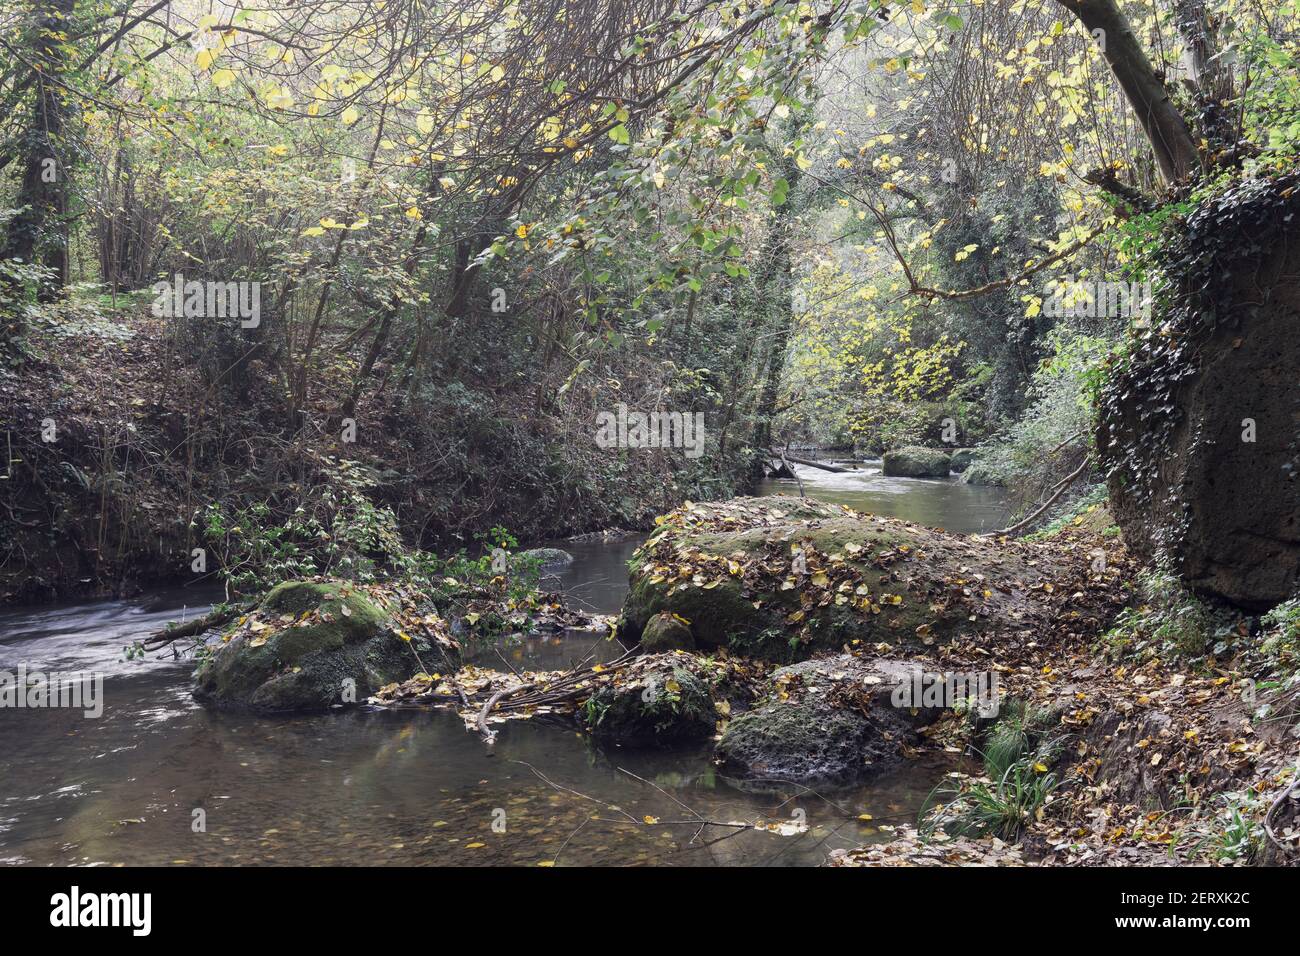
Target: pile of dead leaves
(909,848)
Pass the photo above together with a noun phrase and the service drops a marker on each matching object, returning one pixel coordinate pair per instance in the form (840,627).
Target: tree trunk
(775,293)
(39,232)
(1165,127)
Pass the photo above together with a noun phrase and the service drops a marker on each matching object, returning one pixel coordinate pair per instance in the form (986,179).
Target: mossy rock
(548,558)
(981,473)
(829,720)
(782,578)
(666,632)
(666,700)
(916,462)
(962,459)
(302,645)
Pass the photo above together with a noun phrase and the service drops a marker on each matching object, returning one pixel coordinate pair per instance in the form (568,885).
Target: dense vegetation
(474,226)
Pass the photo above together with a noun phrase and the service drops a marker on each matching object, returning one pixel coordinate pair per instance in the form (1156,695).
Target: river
(158,779)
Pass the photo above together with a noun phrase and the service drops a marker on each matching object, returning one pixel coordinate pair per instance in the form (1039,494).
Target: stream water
(401,787)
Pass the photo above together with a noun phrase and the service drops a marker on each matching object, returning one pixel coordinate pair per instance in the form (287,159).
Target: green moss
(348,642)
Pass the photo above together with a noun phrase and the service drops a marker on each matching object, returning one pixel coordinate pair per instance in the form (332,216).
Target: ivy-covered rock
(312,644)
(832,719)
(916,462)
(663,700)
(1199,426)
(781,578)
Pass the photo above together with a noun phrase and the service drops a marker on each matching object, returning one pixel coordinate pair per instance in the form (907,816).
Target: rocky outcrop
(1200,419)
(310,645)
(916,462)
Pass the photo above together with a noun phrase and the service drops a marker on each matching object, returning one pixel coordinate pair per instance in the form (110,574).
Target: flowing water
(158,779)
(943,503)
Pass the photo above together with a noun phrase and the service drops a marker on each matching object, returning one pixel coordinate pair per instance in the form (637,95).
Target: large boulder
(313,644)
(780,578)
(916,462)
(1200,417)
(832,719)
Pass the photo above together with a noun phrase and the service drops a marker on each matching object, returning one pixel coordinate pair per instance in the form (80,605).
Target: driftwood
(175,632)
(811,464)
(538,693)
(785,462)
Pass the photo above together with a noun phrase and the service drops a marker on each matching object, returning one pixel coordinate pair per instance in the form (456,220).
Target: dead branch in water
(174,632)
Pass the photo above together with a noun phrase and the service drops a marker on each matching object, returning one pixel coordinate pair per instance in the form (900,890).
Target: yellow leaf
(650,819)
(223,78)
(350,116)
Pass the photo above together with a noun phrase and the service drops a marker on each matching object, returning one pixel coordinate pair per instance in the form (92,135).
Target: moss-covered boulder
(666,632)
(982,473)
(548,558)
(661,700)
(313,644)
(916,462)
(832,719)
(780,578)
(962,459)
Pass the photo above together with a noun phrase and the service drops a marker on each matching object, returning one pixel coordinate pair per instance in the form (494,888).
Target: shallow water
(405,786)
